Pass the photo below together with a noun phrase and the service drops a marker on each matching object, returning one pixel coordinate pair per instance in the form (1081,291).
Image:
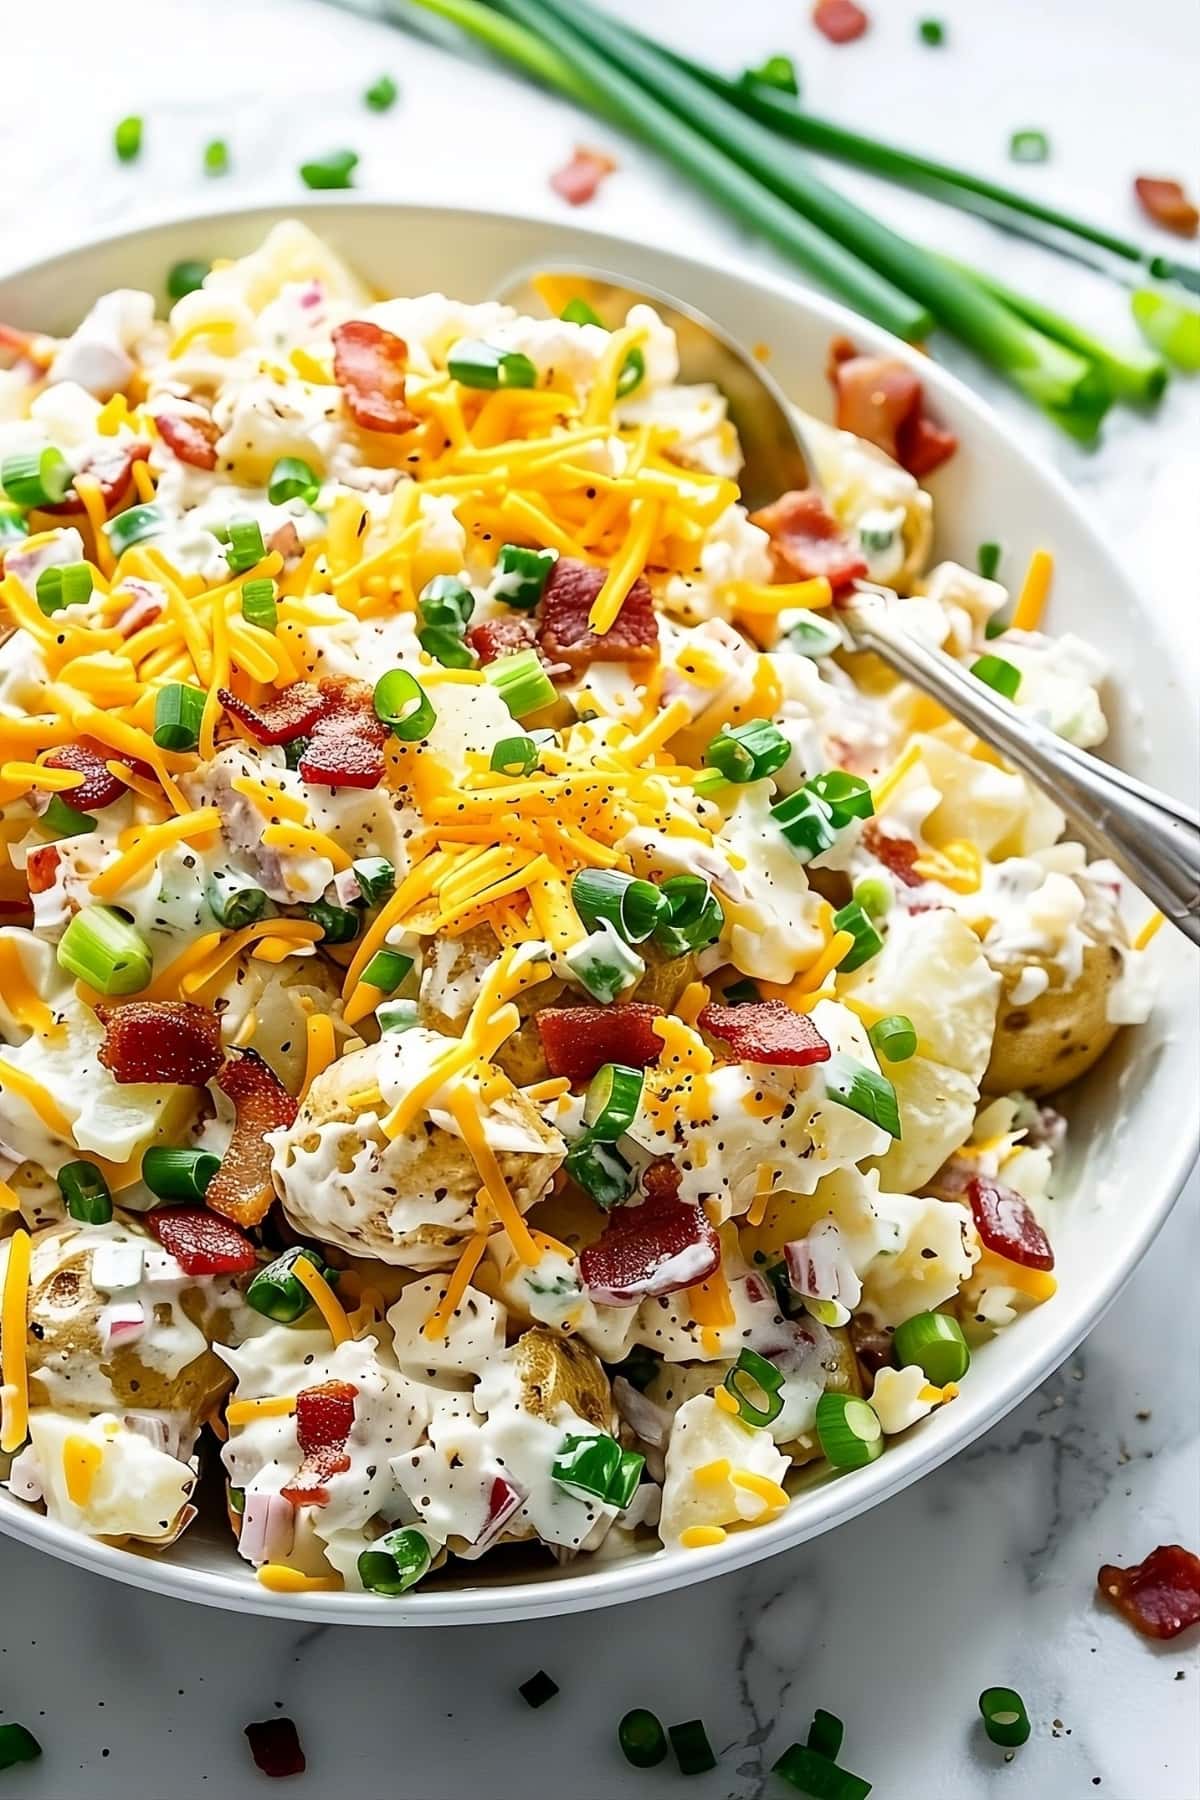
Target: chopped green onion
(62,820)
(397,1015)
(633,908)
(134,526)
(578,312)
(748,752)
(1004,1717)
(236,1497)
(934,1342)
(633,373)
(178,711)
(538,1689)
(930,31)
(276,1293)
(292,479)
(216,157)
(754,1369)
(613,1098)
(523,683)
(185,277)
(741,993)
(847,796)
(36,477)
(85,1192)
(806,822)
(333,171)
(478,365)
(236,907)
(849,1431)
(604,964)
(596,1468)
(693,917)
(521,575)
(245,547)
(600,1171)
(178,1174)
(395,1562)
(874,895)
(105,949)
(66,584)
(995,673)
(693,1752)
(446,601)
(894,1038)
(1170,326)
(338,923)
(515,756)
(382,94)
(867,941)
(811,636)
(17,1745)
(639,1368)
(817,1776)
(446,647)
(258,604)
(376,878)
(825,1734)
(13,528)
(293,752)
(863,1091)
(642,1739)
(987,560)
(402,703)
(777,72)
(1029,146)
(387,969)
(127,138)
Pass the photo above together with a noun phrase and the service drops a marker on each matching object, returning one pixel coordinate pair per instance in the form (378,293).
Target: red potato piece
(577,182)
(806,540)
(766,1031)
(841,21)
(193,440)
(578,1040)
(562,619)
(324,1421)
(1167,203)
(161,1040)
(881,399)
(369,365)
(202,1243)
(241,1188)
(1160,1596)
(656,1248)
(99,788)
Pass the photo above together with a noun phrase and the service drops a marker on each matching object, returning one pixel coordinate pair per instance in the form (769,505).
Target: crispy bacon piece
(652,1249)
(1161,1596)
(501,637)
(1167,204)
(895,853)
(161,1040)
(275,1747)
(241,1187)
(286,715)
(1006,1225)
(200,1242)
(324,1421)
(841,21)
(578,1040)
(369,366)
(113,472)
(562,619)
(806,540)
(41,868)
(881,399)
(766,1031)
(193,440)
(98,788)
(346,745)
(578,180)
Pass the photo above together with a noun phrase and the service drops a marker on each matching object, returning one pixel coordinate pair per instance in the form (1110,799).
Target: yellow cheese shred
(438,1322)
(1149,930)
(149,844)
(13,1348)
(39,1099)
(465,1116)
(1031,601)
(320,1048)
(269,1406)
(279,1578)
(81,1464)
(324,1299)
(702,1537)
(644,517)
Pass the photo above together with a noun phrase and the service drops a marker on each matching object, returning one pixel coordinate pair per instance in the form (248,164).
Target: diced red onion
(268,1528)
(345,886)
(504,1500)
(647,1420)
(122,1323)
(819,1266)
(156,1431)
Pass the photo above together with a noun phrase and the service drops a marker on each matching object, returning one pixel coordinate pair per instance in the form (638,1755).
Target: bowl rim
(835,1502)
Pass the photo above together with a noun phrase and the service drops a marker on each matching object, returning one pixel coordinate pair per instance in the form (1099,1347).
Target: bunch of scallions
(742,142)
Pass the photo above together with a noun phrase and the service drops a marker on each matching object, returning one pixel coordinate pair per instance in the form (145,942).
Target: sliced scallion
(817,1777)
(894,1038)
(863,1091)
(134,526)
(85,1193)
(446,601)
(13,527)
(475,364)
(62,820)
(397,1015)
(521,574)
(633,373)
(178,712)
(752,1371)
(693,1752)
(847,796)
(216,157)
(185,277)
(403,705)
(934,1342)
(613,1098)
(258,604)
(806,822)
(376,878)
(596,1468)
(825,1734)
(446,647)
(642,1739)
(1171,327)
(748,752)
(693,918)
(810,635)
(522,682)
(382,94)
(987,560)
(276,1293)
(17,1745)
(604,964)
(601,1171)
(36,477)
(65,584)
(245,546)
(395,1562)
(236,906)
(849,1432)
(633,908)
(387,969)
(178,1174)
(867,941)
(1004,1717)
(777,72)
(292,479)
(105,949)
(578,312)
(514,756)
(874,895)
(996,673)
(932,32)
(335,170)
(127,138)
(338,923)
(1029,147)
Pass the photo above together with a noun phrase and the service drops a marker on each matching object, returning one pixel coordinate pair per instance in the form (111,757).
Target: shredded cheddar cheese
(13,1346)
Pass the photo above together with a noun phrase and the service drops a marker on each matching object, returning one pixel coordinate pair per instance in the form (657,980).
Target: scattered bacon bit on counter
(200,1242)
(578,180)
(324,1420)
(897,854)
(99,788)
(841,21)
(41,868)
(880,398)
(241,1187)
(766,1031)
(1167,204)
(284,716)
(161,1040)
(193,439)
(578,1040)
(1006,1224)
(656,1248)
(112,471)
(1160,1596)
(369,366)
(806,540)
(275,1747)
(562,620)
(491,638)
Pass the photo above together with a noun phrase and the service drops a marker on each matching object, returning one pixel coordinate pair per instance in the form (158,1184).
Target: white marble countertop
(985,1572)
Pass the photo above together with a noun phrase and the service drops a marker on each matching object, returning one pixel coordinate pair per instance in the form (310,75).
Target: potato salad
(515,1041)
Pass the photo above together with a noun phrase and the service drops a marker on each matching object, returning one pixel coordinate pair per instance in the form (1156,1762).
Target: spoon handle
(1153,838)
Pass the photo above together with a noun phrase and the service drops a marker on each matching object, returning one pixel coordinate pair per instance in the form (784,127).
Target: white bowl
(1134,1120)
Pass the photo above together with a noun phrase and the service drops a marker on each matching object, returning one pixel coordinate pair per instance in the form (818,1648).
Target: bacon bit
(369,365)
(880,398)
(98,788)
(578,1040)
(284,716)
(897,854)
(275,1747)
(766,1031)
(285,539)
(1161,1596)
(501,637)
(200,1242)
(112,472)
(241,1187)
(841,21)
(160,1040)
(656,1248)
(41,868)
(806,540)
(562,622)
(578,180)
(324,1420)
(1167,204)
(346,746)
(146,605)
(1006,1224)
(17,343)
(194,440)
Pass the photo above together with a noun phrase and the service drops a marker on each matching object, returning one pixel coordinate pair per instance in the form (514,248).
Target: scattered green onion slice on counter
(523,683)
(601,1171)
(258,604)
(66,584)
(395,1562)
(935,1343)
(538,1689)
(127,138)
(521,575)
(894,1038)
(818,1777)
(874,895)
(62,820)
(741,993)
(403,705)
(186,277)
(1029,147)
(382,94)
(867,941)
(693,1752)
(849,1431)
(596,1468)
(245,547)
(387,970)
(85,1193)
(754,1371)
(806,822)
(376,878)
(178,1174)
(335,170)
(236,907)
(633,373)
(693,917)
(17,1745)
(178,711)
(397,1015)
(446,601)
(748,752)
(446,647)
(105,949)
(777,72)
(216,157)
(1004,1717)
(847,796)
(275,1292)
(825,1734)
(338,923)
(642,1739)
(134,526)
(931,31)
(987,560)
(36,477)
(632,907)
(863,1091)
(613,1097)
(514,756)
(578,312)
(604,964)
(475,364)
(292,479)
(995,673)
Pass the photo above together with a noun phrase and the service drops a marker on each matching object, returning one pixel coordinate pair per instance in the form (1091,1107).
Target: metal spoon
(1153,838)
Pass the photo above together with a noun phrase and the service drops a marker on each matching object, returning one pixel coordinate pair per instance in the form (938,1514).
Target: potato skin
(1040,1047)
(560,1371)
